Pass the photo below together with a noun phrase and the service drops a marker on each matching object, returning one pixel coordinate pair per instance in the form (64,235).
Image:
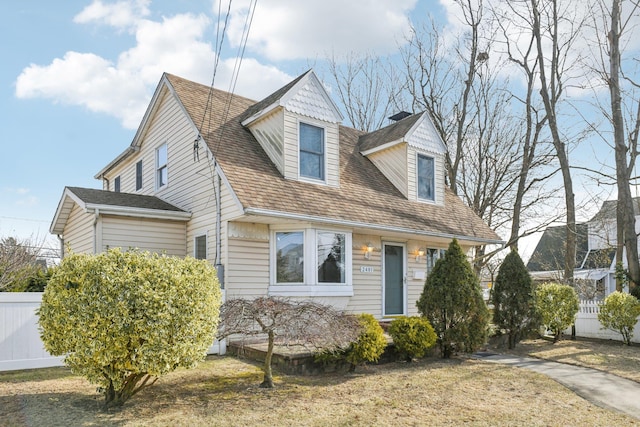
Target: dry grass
(609,356)
(223,391)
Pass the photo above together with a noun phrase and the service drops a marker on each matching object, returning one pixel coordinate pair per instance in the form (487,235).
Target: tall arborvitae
(512,297)
(452,301)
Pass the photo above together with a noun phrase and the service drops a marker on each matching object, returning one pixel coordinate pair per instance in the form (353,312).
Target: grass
(224,391)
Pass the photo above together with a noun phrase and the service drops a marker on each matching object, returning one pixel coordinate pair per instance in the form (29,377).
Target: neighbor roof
(364,197)
(608,210)
(549,252)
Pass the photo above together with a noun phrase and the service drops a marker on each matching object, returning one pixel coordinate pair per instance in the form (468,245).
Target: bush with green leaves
(370,344)
(557,306)
(124,318)
(620,312)
(412,336)
(452,302)
(512,297)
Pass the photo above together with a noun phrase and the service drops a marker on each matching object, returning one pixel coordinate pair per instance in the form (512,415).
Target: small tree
(620,312)
(19,263)
(512,297)
(124,318)
(412,336)
(287,322)
(452,302)
(557,306)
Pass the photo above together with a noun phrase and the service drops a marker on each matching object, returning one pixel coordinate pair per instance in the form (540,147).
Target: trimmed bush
(557,306)
(452,302)
(620,312)
(413,336)
(512,297)
(124,318)
(370,344)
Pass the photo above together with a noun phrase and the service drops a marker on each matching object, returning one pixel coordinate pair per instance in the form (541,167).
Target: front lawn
(224,391)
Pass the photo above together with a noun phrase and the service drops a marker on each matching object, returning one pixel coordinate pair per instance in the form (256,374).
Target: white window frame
(160,167)
(421,199)
(324,148)
(206,245)
(311,287)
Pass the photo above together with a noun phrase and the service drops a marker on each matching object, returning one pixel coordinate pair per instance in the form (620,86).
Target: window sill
(311,290)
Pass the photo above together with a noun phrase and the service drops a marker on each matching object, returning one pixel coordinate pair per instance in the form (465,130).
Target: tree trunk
(268,377)
(625,212)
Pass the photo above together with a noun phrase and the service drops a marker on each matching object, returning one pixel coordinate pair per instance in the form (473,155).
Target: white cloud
(122,88)
(122,14)
(292,29)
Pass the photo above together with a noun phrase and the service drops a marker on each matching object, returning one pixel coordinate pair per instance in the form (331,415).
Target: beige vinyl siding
(415,285)
(291,155)
(78,232)
(145,234)
(392,162)
(247,269)
(269,131)
(438,160)
(367,287)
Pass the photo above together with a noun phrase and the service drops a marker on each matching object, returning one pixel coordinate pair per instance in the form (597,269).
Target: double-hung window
(312,152)
(309,262)
(139,175)
(116,184)
(161,166)
(200,247)
(426,178)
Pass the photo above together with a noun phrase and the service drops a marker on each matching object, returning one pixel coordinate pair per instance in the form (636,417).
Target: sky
(77,76)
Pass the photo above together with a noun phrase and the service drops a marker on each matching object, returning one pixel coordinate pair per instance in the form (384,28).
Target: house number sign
(366,269)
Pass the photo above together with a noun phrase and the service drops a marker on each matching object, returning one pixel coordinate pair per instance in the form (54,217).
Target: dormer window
(426,178)
(312,152)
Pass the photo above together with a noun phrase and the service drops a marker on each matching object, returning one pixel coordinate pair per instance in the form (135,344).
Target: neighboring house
(595,254)
(279,196)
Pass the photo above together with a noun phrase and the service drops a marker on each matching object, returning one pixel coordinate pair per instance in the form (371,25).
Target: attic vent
(399,116)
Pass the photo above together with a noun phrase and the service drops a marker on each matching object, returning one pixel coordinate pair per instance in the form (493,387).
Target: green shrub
(512,297)
(124,318)
(370,344)
(452,302)
(620,312)
(412,336)
(557,306)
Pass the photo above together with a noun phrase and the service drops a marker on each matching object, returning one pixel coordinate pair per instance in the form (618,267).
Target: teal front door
(394,280)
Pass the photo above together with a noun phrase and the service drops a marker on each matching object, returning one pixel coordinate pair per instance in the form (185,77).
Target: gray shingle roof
(364,196)
(111,198)
(387,134)
(608,210)
(549,252)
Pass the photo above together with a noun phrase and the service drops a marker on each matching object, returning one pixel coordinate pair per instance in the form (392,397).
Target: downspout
(218,259)
(105,182)
(95,230)
(61,239)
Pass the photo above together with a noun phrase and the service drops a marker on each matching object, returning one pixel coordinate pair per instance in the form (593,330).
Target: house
(595,252)
(279,196)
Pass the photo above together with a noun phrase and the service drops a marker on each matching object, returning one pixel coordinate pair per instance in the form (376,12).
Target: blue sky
(77,75)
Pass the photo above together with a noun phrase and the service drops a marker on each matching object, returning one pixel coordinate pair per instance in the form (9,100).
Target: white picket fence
(20,343)
(588,326)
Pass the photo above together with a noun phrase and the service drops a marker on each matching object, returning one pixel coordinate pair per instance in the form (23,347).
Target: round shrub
(124,318)
(413,336)
(370,344)
(557,306)
(620,312)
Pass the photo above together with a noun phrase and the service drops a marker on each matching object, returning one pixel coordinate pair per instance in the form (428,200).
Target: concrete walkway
(600,388)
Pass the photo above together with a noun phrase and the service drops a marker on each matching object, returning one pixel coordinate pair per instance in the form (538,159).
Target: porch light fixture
(367,251)
(419,254)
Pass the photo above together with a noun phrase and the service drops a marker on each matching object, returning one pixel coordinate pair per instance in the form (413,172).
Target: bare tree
(368,89)
(18,260)
(287,322)
(553,71)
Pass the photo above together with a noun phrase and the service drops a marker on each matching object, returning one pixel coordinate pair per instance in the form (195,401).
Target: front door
(394,280)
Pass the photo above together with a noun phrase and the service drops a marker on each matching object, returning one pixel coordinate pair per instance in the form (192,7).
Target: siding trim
(137,212)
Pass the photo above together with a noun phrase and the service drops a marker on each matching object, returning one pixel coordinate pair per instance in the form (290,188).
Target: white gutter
(138,212)
(355,224)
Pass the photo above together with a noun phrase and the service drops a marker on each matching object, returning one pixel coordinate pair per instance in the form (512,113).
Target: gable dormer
(410,153)
(297,126)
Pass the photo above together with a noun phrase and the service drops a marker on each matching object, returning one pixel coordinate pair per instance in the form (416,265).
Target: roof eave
(377,227)
(138,212)
(382,147)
